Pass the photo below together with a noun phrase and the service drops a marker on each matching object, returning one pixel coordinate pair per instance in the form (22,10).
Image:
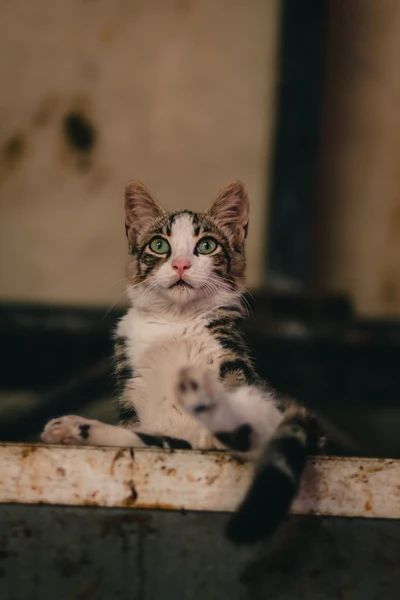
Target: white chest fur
(157,347)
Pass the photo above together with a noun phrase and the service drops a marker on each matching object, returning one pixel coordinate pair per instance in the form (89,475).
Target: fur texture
(184,376)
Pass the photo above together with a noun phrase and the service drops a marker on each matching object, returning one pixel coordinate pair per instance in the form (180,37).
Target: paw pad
(70,429)
(190,384)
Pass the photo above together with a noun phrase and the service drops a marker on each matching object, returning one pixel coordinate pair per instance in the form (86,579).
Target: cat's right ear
(140,209)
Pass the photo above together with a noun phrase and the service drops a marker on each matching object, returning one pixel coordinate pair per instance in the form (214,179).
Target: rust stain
(119,454)
(28,451)
(61,471)
(190,478)
(88,502)
(159,506)
(133,495)
(211,478)
(368,505)
(171,471)
(158,459)
(223,457)
(374,469)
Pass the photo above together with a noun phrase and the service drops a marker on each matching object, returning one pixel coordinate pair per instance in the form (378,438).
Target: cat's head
(183,257)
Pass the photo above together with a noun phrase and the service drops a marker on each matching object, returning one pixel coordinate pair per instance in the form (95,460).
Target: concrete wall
(359,221)
(178,94)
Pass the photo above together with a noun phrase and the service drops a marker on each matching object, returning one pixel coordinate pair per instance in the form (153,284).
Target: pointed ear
(140,209)
(231,210)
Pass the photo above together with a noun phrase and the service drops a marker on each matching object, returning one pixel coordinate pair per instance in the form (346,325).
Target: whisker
(114,283)
(111,306)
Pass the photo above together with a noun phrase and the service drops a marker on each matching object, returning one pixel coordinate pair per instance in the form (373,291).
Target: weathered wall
(179,95)
(359,220)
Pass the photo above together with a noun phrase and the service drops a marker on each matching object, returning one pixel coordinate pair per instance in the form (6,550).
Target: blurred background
(298,99)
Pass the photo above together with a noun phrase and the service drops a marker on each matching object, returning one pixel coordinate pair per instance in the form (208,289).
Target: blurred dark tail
(276,480)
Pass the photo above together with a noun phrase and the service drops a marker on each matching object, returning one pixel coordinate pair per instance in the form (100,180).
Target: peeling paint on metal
(183,480)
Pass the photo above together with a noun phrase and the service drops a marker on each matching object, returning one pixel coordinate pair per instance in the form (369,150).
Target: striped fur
(276,480)
(184,375)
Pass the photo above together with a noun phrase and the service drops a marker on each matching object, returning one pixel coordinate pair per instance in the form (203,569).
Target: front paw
(70,429)
(196,390)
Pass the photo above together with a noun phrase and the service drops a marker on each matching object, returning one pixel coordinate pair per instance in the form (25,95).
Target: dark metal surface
(43,346)
(49,553)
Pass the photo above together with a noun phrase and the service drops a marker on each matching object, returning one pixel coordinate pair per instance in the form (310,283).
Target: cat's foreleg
(75,430)
(243,419)
(248,419)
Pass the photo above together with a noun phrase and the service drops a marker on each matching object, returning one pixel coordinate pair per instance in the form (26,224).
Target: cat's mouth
(180,284)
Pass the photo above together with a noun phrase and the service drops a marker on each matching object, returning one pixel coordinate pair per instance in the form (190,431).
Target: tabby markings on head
(180,234)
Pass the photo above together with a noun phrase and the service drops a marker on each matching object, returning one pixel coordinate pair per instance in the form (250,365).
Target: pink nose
(181,265)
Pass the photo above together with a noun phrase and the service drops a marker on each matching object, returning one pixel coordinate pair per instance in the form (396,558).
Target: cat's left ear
(231,210)
(140,210)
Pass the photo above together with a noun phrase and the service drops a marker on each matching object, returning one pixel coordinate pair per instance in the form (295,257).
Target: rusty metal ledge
(209,481)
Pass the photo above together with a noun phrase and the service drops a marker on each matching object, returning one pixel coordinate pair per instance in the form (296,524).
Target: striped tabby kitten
(185,376)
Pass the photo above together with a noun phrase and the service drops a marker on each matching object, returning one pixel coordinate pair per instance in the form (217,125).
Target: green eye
(159,245)
(206,246)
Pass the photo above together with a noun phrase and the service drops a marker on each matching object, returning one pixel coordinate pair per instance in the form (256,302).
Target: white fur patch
(158,347)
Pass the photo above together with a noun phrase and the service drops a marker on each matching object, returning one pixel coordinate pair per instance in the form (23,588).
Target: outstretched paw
(197,391)
(201,394)
(70,429)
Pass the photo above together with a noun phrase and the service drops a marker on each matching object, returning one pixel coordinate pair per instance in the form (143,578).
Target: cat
(184,373)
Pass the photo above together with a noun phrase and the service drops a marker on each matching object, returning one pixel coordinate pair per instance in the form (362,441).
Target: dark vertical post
(291,197)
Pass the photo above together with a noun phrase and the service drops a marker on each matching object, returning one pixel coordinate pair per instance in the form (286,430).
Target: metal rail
(191,481)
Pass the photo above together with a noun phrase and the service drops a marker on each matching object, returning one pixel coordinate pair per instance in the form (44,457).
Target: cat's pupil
(206,245)
(159,244)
